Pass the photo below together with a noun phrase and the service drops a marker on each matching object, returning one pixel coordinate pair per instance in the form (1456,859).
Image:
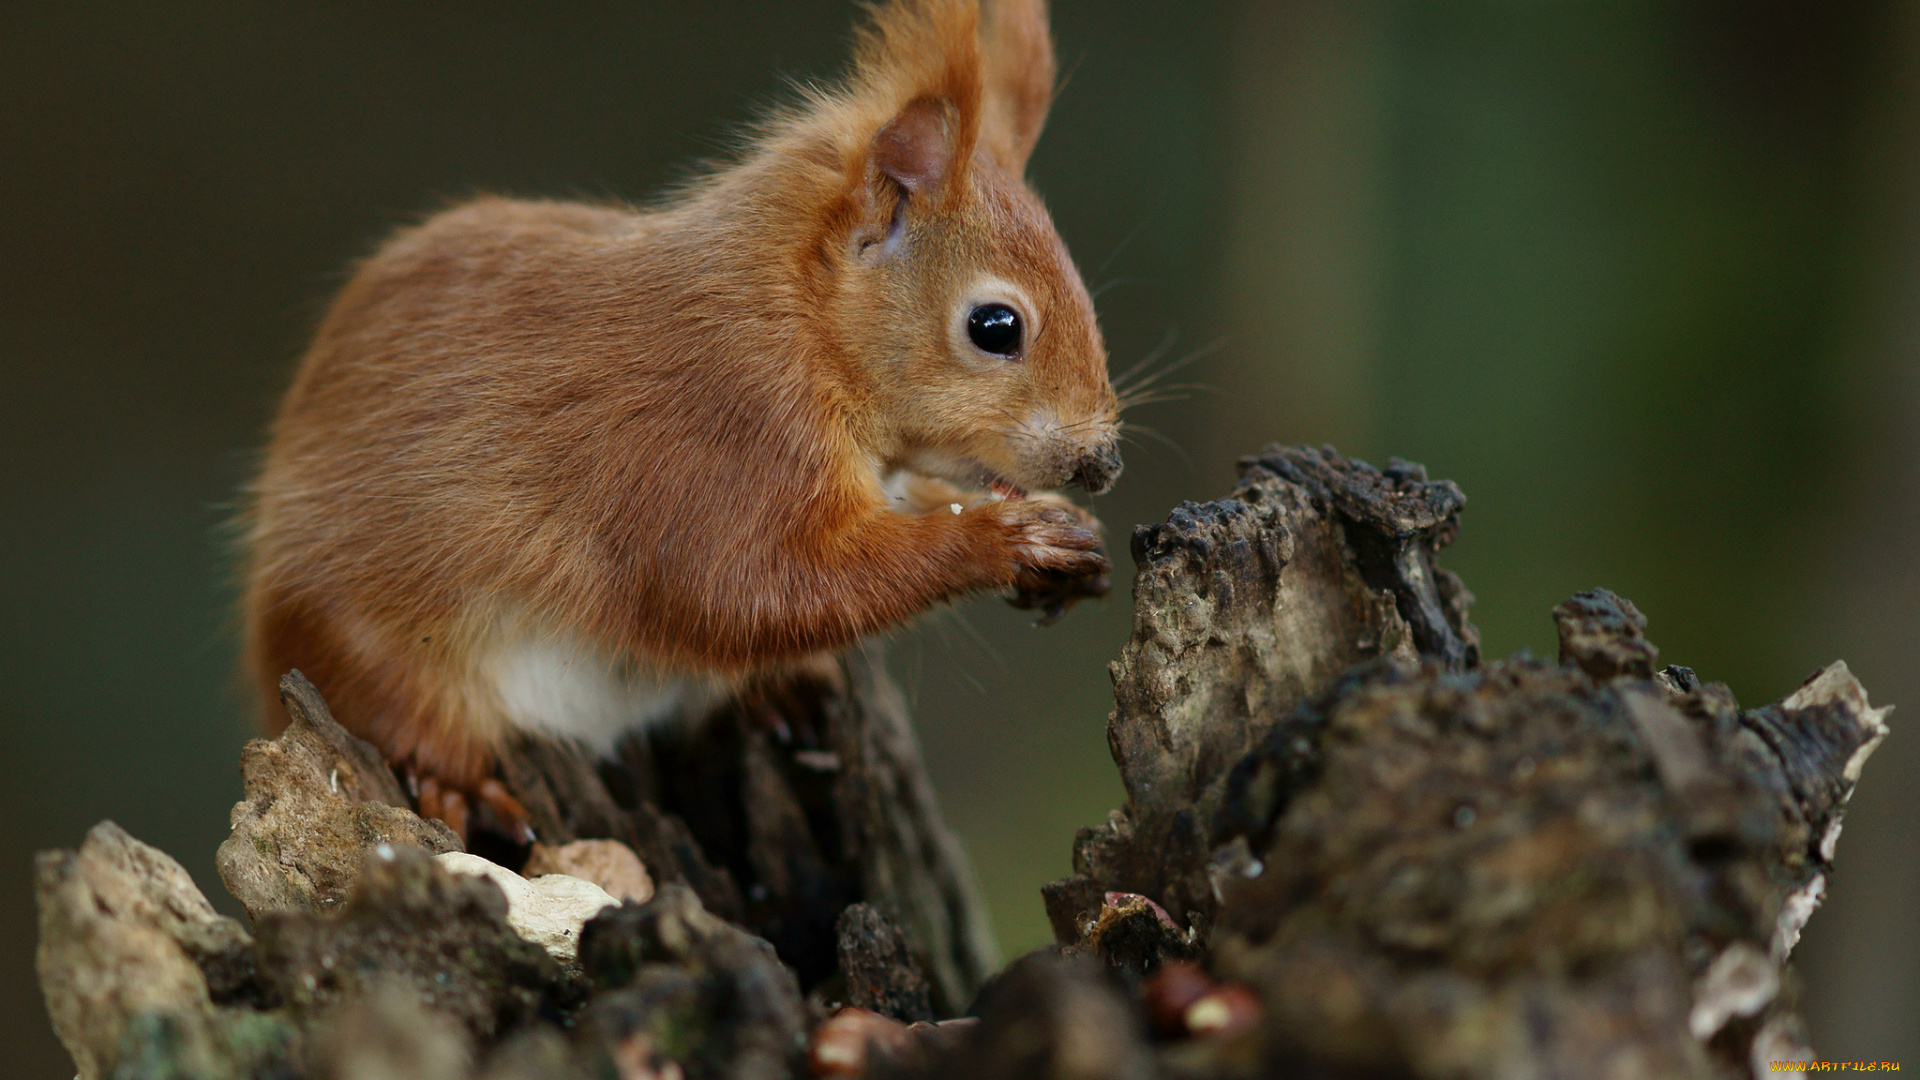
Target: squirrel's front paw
(1080,514)
(1058,557)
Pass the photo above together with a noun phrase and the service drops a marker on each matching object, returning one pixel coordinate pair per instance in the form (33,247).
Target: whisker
(1158,436)
(1169,392)
(1171,386)
(952,630)
(1120,247)
(918,673)
(1151,399)
(973,632)
(1203,351)
(1136,446)
(1105,285)
(1082,425)
(1153,356)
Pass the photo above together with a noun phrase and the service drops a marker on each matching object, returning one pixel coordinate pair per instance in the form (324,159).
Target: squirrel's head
(957,313)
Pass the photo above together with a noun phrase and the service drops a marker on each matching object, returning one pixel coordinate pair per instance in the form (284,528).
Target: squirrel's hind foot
(487,805)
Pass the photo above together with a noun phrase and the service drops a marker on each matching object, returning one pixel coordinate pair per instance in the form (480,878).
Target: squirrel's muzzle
(1098,467)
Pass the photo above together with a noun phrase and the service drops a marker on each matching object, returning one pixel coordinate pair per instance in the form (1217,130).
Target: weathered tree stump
(1350,848)
(1242,608)
(778,811)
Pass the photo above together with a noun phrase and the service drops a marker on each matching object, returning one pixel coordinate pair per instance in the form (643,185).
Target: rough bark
(779,811)
(809,796)
(136,964)
(1242,608)
(1427,868)
(1349,849)
(317,801)
(677,984)
(877,971)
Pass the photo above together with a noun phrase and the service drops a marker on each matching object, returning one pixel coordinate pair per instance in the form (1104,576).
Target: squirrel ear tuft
(1019,76)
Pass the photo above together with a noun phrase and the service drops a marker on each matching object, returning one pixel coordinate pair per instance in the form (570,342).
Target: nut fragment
(609,864)
(1170,992)
(548,912)
(841,1045)
(852,1038)
(1227,1011)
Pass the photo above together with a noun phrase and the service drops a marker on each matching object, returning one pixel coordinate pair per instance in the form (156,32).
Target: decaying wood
(1242,608)
(131,954)
(317,801)
(1349,848)
(877,970)
(778,812)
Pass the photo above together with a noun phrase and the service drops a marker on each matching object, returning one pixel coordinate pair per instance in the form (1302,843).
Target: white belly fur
(559,685)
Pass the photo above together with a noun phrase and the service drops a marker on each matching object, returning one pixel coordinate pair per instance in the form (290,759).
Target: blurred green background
(1643,277)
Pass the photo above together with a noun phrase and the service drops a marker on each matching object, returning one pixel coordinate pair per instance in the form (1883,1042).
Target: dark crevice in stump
(779,810)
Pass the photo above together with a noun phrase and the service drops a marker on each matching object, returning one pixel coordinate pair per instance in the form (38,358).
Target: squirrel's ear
(917,77)
(916,148)
(1017,53)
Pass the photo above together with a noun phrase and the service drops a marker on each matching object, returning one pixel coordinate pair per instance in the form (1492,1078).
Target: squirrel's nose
(1098,467)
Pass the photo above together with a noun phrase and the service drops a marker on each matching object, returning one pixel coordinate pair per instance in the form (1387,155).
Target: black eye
(995,328)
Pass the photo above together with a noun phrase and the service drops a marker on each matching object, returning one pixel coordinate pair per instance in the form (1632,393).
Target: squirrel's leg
(1052,594)
(912,493)
(403,704)
(825,583)
(453,804)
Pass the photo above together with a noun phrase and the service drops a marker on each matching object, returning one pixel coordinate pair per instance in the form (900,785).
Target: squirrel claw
(1053,593)
(496,809)
(508,816)
(444,803)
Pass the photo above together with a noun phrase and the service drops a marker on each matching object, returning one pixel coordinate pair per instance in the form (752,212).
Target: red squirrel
(560,467)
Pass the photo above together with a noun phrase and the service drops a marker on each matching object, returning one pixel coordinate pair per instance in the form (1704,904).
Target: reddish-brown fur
(664,433)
